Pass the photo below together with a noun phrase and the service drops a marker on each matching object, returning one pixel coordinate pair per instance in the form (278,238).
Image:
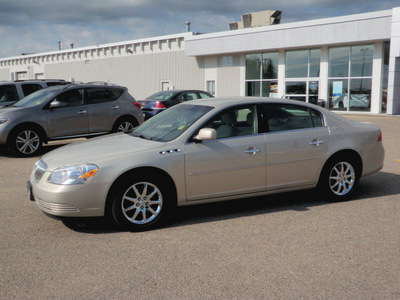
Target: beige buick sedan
(206,151)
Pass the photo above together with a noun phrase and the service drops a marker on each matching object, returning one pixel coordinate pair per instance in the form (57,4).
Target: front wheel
(141,203)
(25,142)
(339,178)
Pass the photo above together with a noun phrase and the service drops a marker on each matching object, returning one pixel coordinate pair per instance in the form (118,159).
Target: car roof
(82,85)
(228,101)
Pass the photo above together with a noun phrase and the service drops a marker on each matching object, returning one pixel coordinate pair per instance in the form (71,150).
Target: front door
(70,117)
(232,164)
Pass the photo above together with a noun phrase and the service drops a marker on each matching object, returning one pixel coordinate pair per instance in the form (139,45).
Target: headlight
(74,174)
(2,121)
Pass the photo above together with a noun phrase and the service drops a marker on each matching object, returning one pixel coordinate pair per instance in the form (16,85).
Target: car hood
(98,150)
(6,110)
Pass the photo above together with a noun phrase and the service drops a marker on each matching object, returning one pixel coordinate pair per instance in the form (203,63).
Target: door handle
(82,112)
(252,150)
(316,142)
(115,107)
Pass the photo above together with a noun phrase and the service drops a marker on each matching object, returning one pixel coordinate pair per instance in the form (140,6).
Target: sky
(28,26)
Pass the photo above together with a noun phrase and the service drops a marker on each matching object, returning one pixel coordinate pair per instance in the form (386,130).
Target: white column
(393,97)
(323,75)
(281,73)
(377,78)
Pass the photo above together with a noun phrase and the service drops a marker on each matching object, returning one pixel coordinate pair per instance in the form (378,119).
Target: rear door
(103,107)
(296,145)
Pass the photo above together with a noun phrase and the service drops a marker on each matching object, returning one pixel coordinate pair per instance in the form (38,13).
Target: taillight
(159,105)
(137,104)
(380,137)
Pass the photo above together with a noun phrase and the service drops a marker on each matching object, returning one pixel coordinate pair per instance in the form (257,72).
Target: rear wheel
(25,141)
(125,125)
(141,203)
(339,178)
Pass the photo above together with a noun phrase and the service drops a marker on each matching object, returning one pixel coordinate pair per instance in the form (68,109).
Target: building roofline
(291,25)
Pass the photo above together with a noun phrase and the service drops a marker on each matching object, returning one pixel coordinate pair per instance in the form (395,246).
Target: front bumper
(82,200)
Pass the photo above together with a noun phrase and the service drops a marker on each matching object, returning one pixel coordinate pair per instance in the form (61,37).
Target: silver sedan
(206,151)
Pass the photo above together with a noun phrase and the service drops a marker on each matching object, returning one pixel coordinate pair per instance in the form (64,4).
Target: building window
(350,77)
(262,74)
(302,75)
(211,87)
(227,61)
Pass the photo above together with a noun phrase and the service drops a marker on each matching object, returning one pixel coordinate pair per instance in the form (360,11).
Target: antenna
(188,26)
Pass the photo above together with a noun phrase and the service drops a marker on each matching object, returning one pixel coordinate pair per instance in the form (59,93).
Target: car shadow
(374,186)
(45,149)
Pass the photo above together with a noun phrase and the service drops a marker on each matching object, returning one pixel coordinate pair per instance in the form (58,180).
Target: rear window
(99,95)
(8,93)
(29,88)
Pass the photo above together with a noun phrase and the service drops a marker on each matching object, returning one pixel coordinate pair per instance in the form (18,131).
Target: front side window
(283,117)
(237,121)
(70,98)
(188,96)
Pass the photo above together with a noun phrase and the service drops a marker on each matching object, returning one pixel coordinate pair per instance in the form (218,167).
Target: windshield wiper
(142,136)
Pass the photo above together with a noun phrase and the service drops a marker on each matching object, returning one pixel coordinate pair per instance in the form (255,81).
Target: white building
(352,62)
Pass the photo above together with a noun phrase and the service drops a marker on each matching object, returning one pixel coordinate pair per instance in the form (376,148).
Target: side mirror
(55,104)
(206,134)
(321,102)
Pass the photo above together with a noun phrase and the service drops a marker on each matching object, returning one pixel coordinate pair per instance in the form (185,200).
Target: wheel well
(125,117)
(29,125)
(348,155)
(158,173)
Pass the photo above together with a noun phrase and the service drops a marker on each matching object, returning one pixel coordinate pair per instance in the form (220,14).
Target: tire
(25,141)
(141,203)
(125,125)
(339,178)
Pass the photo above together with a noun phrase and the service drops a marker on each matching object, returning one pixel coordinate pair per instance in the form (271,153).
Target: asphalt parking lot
(289,246)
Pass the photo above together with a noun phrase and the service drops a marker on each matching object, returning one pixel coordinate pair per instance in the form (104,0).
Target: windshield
(171,123)
(36,98)
(161,96)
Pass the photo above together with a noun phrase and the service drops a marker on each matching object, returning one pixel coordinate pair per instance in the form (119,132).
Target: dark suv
(12,91)
(70,111)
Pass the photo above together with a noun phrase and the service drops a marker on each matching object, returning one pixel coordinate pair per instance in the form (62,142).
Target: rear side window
(8,93)
(99,95)
(52,83)
(29,88)
(204,95)
(282,117)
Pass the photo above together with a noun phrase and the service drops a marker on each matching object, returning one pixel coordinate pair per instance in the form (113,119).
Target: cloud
(37,26)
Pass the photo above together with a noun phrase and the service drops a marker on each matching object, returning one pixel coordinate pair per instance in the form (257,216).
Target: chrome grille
(56,207)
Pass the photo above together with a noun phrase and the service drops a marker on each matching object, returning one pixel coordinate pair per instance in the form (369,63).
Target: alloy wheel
(125,127)
(342,178)
(27,142)
(142,203)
